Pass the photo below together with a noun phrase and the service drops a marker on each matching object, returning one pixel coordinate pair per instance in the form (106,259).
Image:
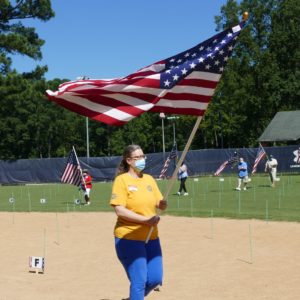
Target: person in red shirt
(87,187)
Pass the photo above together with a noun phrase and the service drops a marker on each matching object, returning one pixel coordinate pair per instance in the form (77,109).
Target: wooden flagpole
(186,148)
(182,157)
(174,175)
(82,179)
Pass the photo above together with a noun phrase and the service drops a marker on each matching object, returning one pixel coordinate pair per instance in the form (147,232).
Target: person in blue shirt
(242,174)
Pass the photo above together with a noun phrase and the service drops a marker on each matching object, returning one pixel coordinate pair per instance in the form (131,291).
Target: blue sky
(107,39)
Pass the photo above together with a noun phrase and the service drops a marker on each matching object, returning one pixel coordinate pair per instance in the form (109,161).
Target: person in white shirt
(182,176)
(271,168)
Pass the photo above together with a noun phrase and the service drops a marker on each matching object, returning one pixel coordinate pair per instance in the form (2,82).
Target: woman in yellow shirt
(135,198)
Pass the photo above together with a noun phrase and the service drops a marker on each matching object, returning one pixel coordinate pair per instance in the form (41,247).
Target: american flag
(172,155)
(181,84)
(72,173)
(231,161)
(261,153)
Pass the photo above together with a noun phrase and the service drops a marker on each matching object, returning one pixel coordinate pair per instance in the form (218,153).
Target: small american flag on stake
(72,173)
(232,160)
(261,153)
(181,84)
(172,155)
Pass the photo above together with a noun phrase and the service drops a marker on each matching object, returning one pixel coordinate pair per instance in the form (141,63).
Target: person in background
(86,188)
(135,199)
(242,174)
(271,168)
(182,176)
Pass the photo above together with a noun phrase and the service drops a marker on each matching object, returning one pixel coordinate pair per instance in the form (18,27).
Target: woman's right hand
(152,221)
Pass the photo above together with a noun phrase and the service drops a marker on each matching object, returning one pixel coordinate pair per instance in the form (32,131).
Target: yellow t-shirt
(140,195)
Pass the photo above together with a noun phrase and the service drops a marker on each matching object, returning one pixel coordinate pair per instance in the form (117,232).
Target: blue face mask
(140,164)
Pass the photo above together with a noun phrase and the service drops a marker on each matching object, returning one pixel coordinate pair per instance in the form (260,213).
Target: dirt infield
(203,258)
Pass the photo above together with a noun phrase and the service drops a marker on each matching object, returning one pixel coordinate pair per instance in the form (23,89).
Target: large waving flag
(181,84)
(261,153)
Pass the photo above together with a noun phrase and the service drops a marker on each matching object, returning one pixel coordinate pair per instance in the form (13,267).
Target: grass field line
(206,194)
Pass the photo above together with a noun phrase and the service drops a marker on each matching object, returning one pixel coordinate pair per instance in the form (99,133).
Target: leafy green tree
(284,44)
(21,94)
(15,38)
(262,77)
(16,111)
(30,126)
(141,130)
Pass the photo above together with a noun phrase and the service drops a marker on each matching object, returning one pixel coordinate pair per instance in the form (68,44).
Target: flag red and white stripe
(72,173)
(172,155)
(181,84)
(231,161)
(221,168)
(261,153)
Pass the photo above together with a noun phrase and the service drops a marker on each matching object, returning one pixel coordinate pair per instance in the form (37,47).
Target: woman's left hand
(162,204)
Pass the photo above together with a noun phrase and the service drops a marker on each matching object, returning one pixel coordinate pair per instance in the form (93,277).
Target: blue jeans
(142,263)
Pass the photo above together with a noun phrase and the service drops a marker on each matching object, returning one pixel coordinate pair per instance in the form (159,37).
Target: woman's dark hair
(123,166)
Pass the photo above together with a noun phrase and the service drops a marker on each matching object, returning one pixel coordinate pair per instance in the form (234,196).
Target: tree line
(261,78)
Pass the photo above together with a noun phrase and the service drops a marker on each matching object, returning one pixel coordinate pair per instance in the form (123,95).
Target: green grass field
(208,196)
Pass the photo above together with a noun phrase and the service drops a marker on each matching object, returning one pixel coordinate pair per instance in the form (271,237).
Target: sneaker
(185,194)
(238,189)
(178,193)
(245,189)
(88,203)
